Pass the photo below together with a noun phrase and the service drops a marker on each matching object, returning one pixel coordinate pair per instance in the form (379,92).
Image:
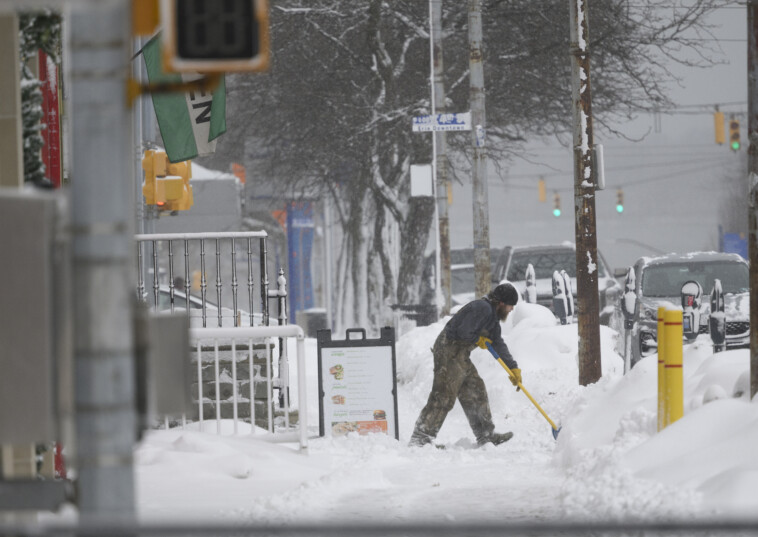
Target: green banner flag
(189,122)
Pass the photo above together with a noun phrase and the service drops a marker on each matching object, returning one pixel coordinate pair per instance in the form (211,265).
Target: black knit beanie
(505,293)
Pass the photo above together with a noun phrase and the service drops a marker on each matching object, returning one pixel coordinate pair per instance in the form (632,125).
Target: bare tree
(333,116)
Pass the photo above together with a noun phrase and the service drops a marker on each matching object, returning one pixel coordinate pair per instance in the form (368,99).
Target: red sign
(51,151)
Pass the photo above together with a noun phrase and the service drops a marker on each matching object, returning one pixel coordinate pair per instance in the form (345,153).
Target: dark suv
(512,262)
(658,282)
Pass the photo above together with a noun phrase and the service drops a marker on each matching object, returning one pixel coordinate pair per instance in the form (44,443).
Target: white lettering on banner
(199,108)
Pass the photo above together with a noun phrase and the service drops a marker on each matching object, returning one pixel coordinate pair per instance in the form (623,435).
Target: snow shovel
(556,429)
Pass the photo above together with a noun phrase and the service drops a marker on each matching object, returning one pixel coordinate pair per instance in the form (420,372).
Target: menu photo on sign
(357,387)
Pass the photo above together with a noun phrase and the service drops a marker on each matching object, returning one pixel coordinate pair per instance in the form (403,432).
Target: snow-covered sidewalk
(609,463)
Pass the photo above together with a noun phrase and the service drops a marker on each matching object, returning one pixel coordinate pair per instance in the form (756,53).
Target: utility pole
(585,181)
(102,226)
(443,185)
(752,136)
(479,165)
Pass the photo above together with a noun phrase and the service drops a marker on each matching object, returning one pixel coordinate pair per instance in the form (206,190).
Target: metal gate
(184,283)
(183,270)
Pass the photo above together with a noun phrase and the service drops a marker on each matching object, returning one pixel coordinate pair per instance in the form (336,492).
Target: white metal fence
(214,337)
(181,272)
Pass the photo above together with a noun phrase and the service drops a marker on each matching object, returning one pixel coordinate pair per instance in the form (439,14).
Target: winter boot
(419,439)
(495,438)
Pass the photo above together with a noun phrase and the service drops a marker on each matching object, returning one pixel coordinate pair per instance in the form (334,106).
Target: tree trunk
(415,235)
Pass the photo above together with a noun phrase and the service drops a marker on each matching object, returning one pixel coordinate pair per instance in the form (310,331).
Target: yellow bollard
(661,370)
(674,406)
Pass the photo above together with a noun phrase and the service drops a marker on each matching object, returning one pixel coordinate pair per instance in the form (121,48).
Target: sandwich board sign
(357,383)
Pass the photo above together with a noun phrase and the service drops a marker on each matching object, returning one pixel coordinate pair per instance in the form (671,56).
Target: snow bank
(609,462)
(699,466)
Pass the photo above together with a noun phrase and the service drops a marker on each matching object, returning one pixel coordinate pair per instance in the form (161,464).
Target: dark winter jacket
(478,318)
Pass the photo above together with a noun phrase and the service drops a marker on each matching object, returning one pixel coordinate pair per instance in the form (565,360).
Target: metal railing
(246,336)
(174,281)
(170,283)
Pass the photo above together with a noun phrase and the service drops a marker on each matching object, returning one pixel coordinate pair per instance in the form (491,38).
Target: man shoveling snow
(455,377)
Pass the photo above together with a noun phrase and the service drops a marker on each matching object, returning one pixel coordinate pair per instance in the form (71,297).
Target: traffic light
(541,194)
(619,201)
(556,205)
(734,134)
(718,124)
(166,184)
(210,36)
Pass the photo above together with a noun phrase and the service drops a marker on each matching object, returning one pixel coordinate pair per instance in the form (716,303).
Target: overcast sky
(671,179)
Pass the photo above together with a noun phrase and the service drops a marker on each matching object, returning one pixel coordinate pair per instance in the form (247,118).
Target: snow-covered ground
(608,464)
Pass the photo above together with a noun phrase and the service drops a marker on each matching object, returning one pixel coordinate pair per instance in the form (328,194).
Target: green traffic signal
(556,212)
(734,134)
(619,201)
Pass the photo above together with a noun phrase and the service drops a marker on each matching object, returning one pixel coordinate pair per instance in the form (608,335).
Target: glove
(482,343)
(515,376)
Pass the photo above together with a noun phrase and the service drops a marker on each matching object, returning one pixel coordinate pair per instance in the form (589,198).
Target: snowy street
(608,464)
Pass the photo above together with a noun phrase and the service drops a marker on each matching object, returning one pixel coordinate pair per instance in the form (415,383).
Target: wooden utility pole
(443,184)
(752,122)
(479,161)
(585,182)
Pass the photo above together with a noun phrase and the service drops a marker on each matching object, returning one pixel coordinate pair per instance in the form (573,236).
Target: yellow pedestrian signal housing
(541,194)
(166,185)
(734,134)
(557,205)
(718,125)
(619,201)
(213,36)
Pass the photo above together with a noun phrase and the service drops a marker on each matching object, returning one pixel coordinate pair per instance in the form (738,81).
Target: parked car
(462,275)
(658,282)
(513,261)
(462,283)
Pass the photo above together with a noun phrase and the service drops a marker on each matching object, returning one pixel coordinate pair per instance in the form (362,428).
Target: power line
(621,168)
(631,184)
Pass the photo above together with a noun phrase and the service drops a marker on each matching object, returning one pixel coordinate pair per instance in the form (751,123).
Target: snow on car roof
(564,244)
(692,256)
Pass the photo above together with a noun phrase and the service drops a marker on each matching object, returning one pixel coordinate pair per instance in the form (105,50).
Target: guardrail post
(661,337)
(673,366)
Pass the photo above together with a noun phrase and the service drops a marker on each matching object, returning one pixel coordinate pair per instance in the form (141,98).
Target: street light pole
(752,97)
(440,159)
(479,162)
(102,226)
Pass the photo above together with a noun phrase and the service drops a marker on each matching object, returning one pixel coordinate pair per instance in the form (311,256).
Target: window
(544,263)
(462,279)
(666,280)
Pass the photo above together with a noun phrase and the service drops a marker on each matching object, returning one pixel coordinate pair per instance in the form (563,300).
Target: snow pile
(609,462)
(619,466)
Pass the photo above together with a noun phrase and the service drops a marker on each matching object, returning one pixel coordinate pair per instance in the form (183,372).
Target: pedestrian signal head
(209,36)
